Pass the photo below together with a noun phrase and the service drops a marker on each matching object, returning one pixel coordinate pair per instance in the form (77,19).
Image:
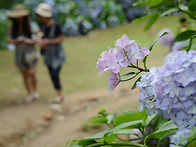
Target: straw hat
(19,10)
(44,10)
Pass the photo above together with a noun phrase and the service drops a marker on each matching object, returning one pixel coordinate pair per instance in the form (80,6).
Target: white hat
(44,10)
(19,10)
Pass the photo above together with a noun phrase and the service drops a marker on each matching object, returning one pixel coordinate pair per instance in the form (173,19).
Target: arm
(57,40)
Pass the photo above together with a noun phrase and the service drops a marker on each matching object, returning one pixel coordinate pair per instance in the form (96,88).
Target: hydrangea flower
(171,90)
(178,136)
(146,94)
(167,39)
(113,81)
(123,42)
(177,46)
(126,51)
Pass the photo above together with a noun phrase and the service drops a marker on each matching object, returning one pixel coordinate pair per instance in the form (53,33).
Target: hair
(25,28)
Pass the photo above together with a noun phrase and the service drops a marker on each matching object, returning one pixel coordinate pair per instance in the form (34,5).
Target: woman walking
(26,54)
(51,45)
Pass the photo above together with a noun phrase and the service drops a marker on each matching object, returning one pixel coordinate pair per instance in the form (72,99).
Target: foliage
(167,113)
(86,14)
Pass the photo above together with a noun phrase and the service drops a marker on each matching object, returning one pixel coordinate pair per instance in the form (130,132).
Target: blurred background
(103,22)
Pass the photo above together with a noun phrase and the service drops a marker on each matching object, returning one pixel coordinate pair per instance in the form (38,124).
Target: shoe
(58,100)
(35,96)
(29,99)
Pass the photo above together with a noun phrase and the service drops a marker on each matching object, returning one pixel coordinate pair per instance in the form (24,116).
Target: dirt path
(41,124)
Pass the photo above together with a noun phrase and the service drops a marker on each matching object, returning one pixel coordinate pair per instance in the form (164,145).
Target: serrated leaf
(185,35)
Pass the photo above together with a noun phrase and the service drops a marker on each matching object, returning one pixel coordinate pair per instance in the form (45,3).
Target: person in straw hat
(51,45)
(26,54)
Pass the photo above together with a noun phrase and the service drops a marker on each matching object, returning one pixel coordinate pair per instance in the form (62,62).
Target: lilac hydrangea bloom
(126,51)
(135,52)
(177,46)
(146,94)
(167,39)
(123,42)
(178,136)
(173,89)
(102,62)
(113,81)
(116,60)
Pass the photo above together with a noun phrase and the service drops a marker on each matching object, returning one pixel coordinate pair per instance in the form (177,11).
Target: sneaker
(58,100)
(29,99)
(35,96)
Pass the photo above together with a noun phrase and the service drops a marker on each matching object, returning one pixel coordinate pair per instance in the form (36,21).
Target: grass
(80,72)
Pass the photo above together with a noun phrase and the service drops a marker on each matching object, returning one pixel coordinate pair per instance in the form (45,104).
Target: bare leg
(32,75)
(26,81)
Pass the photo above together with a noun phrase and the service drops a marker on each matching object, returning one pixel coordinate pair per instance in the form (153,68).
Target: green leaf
(151,21)
(128,74)
(143,18)
(98,120)
(168,12)
(127,124)
(185,35)
(150,119)
(110,118)
(102,112)
(166,136)
(110,138)
(127,118)
(190,43)
(99,135)
(153,43)
(152,3)
(140,3)
(135,84)
(85,143)
(192,6)
(125,131)
(163,130)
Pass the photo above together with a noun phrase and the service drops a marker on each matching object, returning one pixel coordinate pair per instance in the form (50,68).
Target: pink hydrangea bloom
(134,52)
(123,42)
(102,62)
(113,81)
